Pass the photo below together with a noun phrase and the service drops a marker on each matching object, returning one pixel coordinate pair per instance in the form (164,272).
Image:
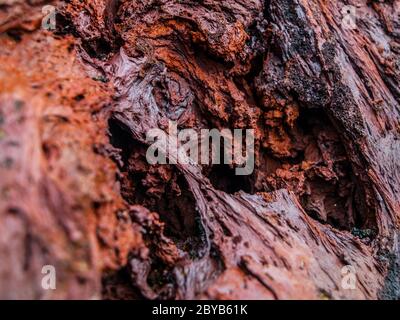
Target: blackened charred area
(391,289)
(302,148)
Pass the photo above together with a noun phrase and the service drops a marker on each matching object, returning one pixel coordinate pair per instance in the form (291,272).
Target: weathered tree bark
(76,191)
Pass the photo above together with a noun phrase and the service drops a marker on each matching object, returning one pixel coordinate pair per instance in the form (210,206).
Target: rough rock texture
(77,192)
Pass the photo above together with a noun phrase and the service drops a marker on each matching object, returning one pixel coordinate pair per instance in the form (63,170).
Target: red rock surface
(77,192)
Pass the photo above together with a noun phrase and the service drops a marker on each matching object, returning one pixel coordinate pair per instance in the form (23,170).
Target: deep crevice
(160,188)
(224,178)
(321,174)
